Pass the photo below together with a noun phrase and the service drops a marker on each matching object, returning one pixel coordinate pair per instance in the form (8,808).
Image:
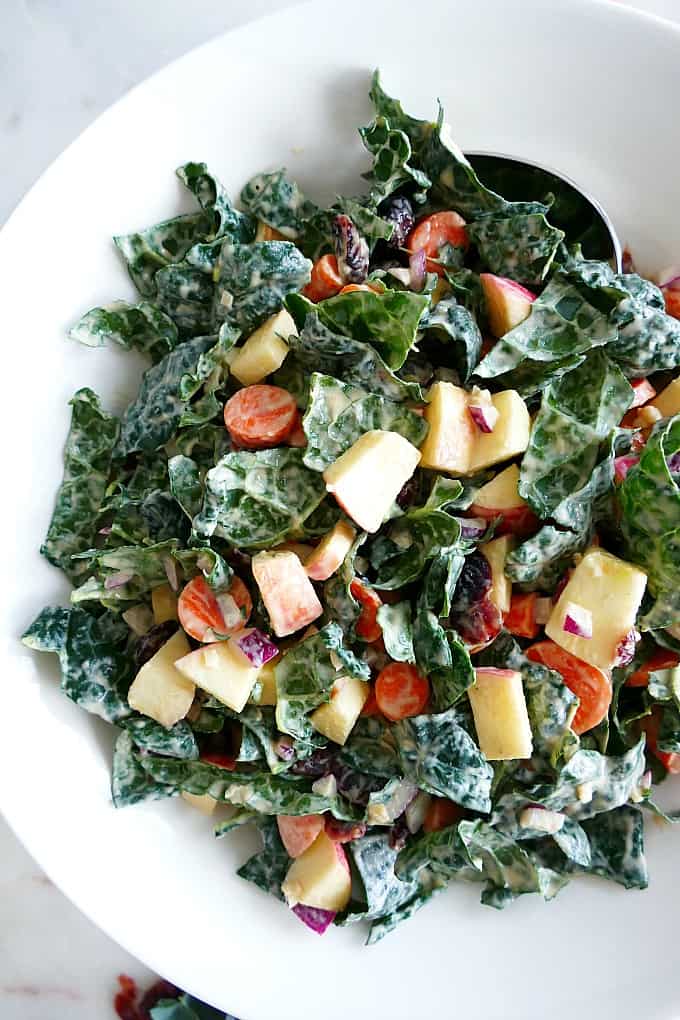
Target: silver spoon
(574,210)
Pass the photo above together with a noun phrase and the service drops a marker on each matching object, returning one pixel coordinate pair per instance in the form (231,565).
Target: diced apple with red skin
(500,713)
(496,552)
(320,877)
(222,670)
(507,303)
(500,498)
(611,591)
(298,832)
(161,691)
(369,476)
(286,591)
(330,552)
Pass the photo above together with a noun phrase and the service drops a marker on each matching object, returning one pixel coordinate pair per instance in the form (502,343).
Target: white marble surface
(61,63)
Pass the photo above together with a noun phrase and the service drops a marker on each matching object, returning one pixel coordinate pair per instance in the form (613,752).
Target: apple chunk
(502,492)
(264,351)
(222,670)
(286,591)
(319,877)
(456,445)
(298,832)
(496,553)
(163,603)
(510,435)
(500,498)
(161,691)
(330,552)
(448,444)
(610,590)
(337,717)
(500,714)
(266,680)
(507,303)
(369,476)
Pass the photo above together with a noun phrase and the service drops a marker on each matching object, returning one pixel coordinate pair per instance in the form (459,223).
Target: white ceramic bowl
(587,87)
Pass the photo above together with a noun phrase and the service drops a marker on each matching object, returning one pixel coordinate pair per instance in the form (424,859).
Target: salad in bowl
(383,555)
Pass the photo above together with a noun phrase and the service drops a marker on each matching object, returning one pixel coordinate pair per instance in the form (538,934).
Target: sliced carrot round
(661,659)
(325,281)
(440,814)
(260,416)
(591,686)
(433,232)
(206,615)
(296,436)
(401,691)
(367,626)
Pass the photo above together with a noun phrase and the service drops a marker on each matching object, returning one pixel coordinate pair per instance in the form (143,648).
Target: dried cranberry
(474,583)
(356,787)
(399,834)
(148,644)
(476,618)
(479,624)
(316,765)
(344,832)
(408,494)
(398,211)
(351,250)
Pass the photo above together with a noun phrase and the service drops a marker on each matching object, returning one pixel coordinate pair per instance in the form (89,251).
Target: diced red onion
(416,811)
(484,416)
(171,572)
(578,621)
(315,917)
(105,531)
(625,651)
(669,278)
(542,610)
(674,464)
(118,579)
(622,465)
(472,527)
(417,264)
(257,647)
(284,748)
